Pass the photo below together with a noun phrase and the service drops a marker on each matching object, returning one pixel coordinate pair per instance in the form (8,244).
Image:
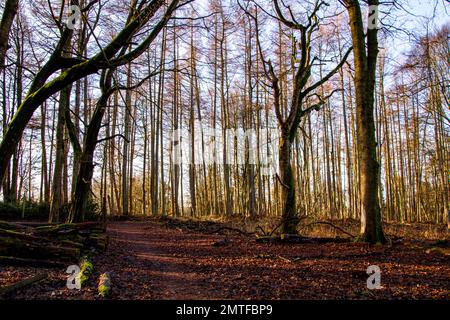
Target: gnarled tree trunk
(288,200)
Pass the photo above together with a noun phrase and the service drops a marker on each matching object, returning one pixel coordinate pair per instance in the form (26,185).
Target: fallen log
(15,261)
(66,228)
(290,238)
(12,226)
(21,248)
(23,283)
(98,241)
(283,238)
(22,235)
(244,233)
(65,242)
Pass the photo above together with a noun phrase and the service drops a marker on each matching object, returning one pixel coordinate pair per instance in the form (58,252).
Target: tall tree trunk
(57,185)
(365,69)
(44,177)
(60,158)
(86,168)
(13,194)
(288,200)
(192,167)
(126,142)
(9,13)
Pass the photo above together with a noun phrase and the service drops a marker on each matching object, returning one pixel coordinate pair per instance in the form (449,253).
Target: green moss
(103,290)
(77,245)
(23,210)
(9,232)
(104,285)
(86,270)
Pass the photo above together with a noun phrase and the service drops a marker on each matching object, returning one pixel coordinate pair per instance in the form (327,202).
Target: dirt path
(165,263)
(159,263)
(150,261)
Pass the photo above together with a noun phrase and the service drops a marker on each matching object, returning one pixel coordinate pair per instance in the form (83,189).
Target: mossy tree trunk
(86,167)
(77,68)
(86,154)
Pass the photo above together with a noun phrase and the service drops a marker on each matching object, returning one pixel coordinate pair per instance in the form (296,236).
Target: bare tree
(9,12)
(302,91)
(78,67)
(365,60)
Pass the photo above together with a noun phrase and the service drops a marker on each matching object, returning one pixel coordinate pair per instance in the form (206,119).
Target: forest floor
(159,260)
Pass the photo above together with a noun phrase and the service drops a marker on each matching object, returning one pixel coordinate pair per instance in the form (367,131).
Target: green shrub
(24,210)
(30,210)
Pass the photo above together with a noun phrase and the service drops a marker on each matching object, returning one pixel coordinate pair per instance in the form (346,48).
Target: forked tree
(303,92)
(51,79)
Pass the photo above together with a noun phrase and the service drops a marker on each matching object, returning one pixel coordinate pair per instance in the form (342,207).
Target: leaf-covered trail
(154,261)
(159,262)
(148,260)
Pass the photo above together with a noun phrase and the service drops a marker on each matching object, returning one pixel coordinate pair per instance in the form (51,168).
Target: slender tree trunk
(57,185)
(126,142)
(365,69)
(9,13)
